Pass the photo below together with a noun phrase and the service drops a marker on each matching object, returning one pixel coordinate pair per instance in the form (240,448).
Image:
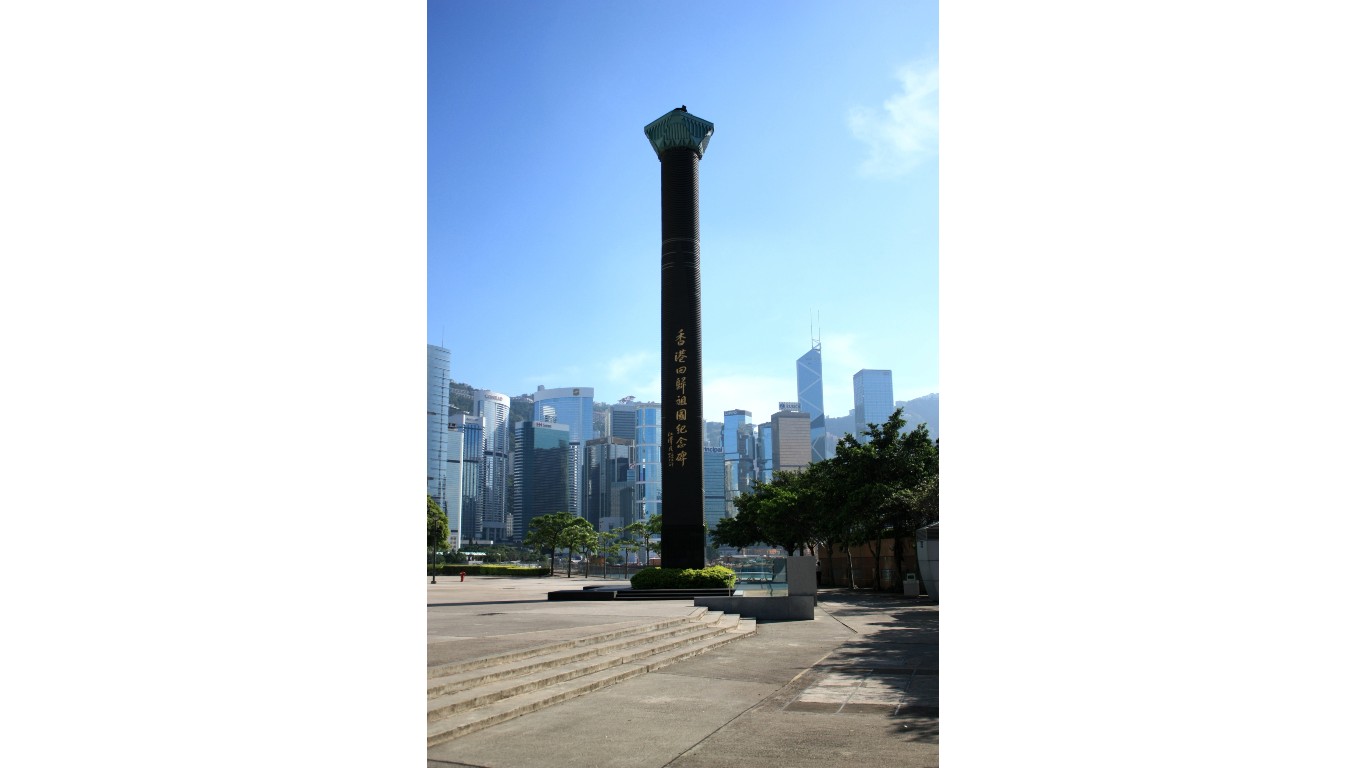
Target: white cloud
(905,130)
(626,367)
(759,395)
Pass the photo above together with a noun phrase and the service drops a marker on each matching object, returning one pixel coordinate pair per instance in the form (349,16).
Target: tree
(644,529)
(885,487)
(438,530)
(605,544)
(739,531)
(560,529)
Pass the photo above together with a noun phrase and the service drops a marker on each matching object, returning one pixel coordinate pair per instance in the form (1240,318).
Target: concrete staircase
(465,696)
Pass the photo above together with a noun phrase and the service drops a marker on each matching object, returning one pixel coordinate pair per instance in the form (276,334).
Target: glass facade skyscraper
(540,473)
(438,392)
(713,487)
(491,408)
(649,497)
(713,430)
(811,398)
(621,420)
(469,432)
(737,442)
(763,464)
(873,403)
(573,407)
(609,486)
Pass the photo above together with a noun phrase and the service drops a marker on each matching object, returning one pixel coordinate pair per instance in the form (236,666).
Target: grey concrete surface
(764,608)
(856,686)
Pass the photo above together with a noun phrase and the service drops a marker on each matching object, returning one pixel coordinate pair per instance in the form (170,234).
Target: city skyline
(825,227)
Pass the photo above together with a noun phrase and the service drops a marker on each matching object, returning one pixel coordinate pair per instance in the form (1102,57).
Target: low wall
(791,608)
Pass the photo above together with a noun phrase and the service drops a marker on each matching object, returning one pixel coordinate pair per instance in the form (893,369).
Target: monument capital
(679,128)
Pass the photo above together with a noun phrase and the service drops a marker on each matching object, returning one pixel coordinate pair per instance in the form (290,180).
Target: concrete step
(559,659)
(624,630)
(454,714)
(545,675)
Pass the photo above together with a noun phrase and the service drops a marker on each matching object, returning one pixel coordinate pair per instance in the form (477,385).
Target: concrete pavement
(857,686)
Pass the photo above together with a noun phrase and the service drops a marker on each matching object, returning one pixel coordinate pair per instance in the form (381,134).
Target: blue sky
(819,193)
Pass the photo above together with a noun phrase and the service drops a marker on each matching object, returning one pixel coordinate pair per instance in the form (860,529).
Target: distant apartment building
(438,392)
(609,486)
(791,440)
(540,472)
(811,398)
(649,497)
(573,407)
(872,399)
(491,408)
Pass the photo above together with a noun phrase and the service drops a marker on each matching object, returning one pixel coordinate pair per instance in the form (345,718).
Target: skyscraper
(455,480)
(713,486)
(469,431)
(491,408)
(737,441)
(763,447)
(811,398)
(438,392)
(621,419)
(573,407)
(713,431)
(609,488)
(540,472)
(872,399)
(791,440)
(649,496)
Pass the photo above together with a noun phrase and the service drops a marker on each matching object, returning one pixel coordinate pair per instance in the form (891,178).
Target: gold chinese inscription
(675,441)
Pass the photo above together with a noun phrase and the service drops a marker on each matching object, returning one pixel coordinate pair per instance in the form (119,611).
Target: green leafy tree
(609,546)
(438,530)
(560,529)
(739,531)
(643,529)
(438,527)
(783,513)
(883,488)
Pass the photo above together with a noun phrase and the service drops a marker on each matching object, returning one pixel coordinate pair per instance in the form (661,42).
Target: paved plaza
(858,686)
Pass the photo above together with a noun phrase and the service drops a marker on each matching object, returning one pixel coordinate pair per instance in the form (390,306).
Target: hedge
(454,569)
(684,578)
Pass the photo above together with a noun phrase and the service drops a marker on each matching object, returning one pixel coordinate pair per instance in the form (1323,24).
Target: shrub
(454,569)
(710,577)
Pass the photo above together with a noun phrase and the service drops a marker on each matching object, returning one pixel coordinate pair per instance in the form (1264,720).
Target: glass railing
(759,576)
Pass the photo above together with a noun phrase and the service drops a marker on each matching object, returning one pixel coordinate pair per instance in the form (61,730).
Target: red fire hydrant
(462,576)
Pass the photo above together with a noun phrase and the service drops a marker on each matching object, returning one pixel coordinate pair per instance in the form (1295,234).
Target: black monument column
(679,140)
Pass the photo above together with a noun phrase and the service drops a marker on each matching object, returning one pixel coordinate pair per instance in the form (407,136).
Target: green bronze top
(678,128)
